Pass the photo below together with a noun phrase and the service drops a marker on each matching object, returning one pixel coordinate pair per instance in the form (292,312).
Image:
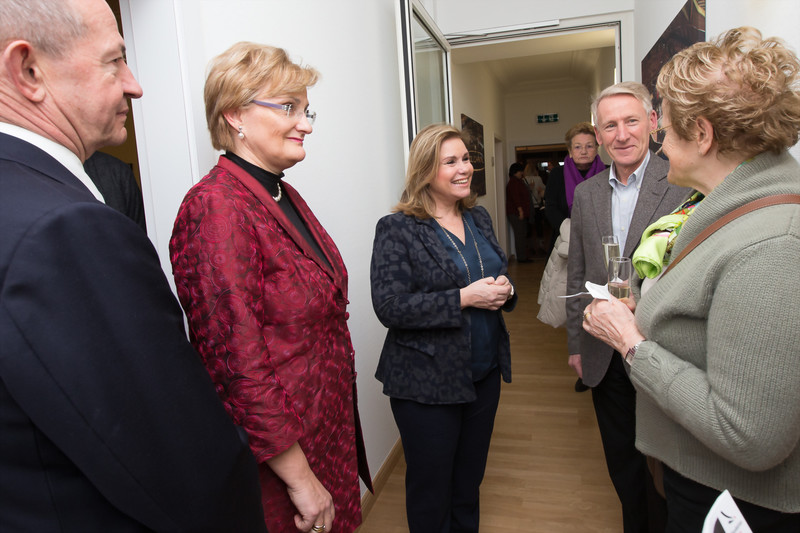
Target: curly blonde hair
(745,86)
(423,166)
(240,74)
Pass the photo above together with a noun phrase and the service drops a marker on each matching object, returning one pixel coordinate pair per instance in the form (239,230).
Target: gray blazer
(591,219)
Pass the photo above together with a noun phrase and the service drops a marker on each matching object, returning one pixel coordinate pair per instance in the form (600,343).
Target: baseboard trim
(380,479)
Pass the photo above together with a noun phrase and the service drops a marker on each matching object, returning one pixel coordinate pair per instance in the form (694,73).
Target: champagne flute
(619,277)
(610,247)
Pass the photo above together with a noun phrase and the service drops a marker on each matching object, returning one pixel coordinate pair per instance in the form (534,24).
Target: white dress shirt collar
(637,175)
(59,152)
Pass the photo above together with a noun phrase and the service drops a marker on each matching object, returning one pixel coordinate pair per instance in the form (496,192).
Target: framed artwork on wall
(472,132)
(688,27)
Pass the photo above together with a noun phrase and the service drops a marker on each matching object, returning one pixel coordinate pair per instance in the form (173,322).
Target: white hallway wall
(570,100)
(353,172)
(477,94)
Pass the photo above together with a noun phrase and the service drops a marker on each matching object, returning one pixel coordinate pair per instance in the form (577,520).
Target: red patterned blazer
(269,320)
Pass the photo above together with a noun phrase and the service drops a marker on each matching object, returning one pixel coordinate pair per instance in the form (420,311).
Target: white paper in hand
(598,292)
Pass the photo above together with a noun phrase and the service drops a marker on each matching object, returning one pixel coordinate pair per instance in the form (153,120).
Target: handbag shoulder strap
(736,213)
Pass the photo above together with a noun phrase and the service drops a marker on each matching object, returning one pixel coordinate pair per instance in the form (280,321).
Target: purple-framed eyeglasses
(290,110)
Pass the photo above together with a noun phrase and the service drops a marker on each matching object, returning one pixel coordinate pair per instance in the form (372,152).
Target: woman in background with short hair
(581,164)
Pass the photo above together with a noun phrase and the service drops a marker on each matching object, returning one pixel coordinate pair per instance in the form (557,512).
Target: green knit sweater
(718,379)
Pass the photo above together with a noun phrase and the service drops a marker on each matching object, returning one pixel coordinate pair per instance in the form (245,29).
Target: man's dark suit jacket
(415,293)
(591,219)
(109,420)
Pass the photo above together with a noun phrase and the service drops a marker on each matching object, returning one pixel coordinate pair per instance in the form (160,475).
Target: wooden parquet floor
(546,472)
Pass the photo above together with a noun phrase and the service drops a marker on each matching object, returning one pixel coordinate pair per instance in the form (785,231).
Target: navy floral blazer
(415,293)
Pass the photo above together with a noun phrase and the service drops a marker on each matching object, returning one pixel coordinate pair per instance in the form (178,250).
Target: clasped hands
(487,293)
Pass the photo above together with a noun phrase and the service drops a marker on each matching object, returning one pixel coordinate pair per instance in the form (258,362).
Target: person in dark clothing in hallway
(115,180)
(518,209)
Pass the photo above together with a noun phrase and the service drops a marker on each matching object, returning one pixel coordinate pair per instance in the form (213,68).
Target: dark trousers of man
(520,228)
(536,224)
(446,447)
(614,398)
(688,503)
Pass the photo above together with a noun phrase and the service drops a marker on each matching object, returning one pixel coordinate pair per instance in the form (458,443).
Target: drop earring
(241,133)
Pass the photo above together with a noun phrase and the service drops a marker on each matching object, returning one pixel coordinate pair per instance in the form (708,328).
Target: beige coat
(552,310)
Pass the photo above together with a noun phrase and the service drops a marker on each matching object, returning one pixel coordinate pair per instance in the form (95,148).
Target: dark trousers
(446,447)
(688,503)
(614,398)
(536,222)
(520,228)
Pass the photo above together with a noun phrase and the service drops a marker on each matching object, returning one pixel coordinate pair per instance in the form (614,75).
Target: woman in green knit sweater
(714,345)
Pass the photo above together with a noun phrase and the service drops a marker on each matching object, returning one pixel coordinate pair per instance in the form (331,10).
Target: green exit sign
(550,117)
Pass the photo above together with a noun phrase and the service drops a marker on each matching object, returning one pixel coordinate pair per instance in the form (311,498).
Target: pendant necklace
(280,193)
(474,241)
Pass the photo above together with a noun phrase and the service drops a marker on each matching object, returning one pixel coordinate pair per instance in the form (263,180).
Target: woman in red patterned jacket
(265,292)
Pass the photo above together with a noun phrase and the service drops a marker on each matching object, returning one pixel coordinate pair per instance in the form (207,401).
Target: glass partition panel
(430,82)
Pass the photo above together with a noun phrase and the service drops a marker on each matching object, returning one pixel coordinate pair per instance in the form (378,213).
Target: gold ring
(586,315)
(317,529)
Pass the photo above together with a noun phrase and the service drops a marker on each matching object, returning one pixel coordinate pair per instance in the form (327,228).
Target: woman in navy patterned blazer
(438,283)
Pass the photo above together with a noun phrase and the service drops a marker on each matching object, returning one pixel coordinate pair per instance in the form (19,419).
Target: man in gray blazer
(622,200)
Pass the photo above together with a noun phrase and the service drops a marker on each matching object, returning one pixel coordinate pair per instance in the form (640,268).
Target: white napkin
(598,292)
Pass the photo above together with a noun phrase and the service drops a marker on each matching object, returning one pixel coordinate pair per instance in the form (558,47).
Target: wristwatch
(632,353)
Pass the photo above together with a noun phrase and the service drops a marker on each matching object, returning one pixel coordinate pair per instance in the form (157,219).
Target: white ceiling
(539,60)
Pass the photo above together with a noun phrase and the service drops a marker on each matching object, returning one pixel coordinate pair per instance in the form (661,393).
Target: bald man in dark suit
(109,420)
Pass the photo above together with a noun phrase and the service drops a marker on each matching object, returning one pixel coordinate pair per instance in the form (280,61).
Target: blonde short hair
(423,166)
(745,86)
(240,74)
(577,129)
(631,88)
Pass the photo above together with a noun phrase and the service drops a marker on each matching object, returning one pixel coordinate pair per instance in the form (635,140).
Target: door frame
(408,10)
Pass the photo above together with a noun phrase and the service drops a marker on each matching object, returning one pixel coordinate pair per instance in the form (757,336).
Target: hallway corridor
(546,472)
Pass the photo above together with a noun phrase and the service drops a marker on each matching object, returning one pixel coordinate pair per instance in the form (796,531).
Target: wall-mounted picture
(473,137)
(688,27)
